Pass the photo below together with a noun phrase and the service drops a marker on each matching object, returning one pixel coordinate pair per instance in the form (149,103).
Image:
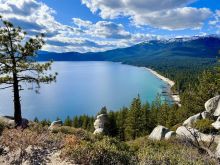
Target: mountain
(201,47)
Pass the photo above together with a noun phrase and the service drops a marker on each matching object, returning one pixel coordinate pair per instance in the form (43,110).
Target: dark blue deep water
(85,87)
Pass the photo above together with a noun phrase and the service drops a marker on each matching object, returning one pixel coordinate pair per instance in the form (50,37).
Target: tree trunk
(17,104)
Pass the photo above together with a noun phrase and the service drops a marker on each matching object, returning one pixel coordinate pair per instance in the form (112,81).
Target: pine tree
(17,64)
(68,121)
(76,122)
(132,124)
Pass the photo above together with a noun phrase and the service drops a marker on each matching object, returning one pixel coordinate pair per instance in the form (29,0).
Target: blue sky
(99,25)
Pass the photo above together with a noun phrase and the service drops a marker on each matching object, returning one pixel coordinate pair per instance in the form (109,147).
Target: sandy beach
(175,97)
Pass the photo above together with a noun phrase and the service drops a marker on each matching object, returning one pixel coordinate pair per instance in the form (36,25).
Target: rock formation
(170,134)
(160,132)
(191,120)
(99,123)
(9,121)
(212,106)
(216,124)
(55,124)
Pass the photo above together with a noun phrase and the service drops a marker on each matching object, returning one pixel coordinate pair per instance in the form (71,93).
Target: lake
(84,88)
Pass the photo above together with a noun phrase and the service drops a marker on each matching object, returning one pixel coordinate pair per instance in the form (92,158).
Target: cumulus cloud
(165,14)
(103,29)
(84,36)
(36,17)
(216,20)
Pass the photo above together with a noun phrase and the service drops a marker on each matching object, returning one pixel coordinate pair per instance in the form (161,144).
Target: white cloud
(103,29)
(84,36)
(216,20)
(36,17)
(165,14)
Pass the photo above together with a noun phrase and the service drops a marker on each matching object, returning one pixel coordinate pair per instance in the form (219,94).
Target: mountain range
(198,47)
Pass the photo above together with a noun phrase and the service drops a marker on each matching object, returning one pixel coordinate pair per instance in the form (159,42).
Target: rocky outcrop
(55,124)
(191,133)
(216,124)
(158,133)
(191,120)
(212,105)
(9,121)
(99,123)
(170,134)
(205,115)
(217,151)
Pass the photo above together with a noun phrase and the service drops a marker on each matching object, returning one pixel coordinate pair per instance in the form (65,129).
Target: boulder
(217,151)
(216,124)
(158,133)
(191,120)
(8,121)
(99,123)
(98,131)
(191,133)
(55,124)
(205,115)
(212,105)
(170,134)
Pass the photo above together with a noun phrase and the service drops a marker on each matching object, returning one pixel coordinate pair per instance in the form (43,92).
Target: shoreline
(175,97)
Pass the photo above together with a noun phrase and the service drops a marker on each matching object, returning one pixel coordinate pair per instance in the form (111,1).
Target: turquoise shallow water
(85,87)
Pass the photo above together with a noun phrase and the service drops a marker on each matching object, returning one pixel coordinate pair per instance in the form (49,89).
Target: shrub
(170,152)
(204,125)
(78,132)
(106,151)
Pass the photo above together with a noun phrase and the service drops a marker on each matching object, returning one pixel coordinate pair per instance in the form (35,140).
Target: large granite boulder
(99,123)
(55,124)
(205,115)
(191,133)
(9,121)
(212,105)
(158,133)
(216,124)
(217,152)
(191,120)
(170,134)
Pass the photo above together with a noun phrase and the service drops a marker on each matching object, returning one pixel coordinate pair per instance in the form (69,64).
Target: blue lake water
(83,88)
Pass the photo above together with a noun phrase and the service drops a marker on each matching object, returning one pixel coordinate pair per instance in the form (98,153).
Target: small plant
(204,126)
(106,151)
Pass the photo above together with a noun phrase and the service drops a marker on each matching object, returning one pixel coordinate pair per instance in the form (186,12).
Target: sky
(99,25)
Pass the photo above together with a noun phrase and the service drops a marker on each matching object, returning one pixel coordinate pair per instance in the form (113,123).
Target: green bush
(204,125)
(78,132)
(106,151)
(170,152)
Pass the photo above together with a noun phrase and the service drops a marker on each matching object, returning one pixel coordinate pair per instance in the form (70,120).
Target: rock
(191,133)
(211,105)
(205,115)
(217,152)
(189,122)
(158,133)
(99,131)
(55,124)
(170,134)
(8,121)
(216,124)
(99,123)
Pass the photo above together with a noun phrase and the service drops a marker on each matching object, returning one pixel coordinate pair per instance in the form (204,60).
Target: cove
(84,88)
